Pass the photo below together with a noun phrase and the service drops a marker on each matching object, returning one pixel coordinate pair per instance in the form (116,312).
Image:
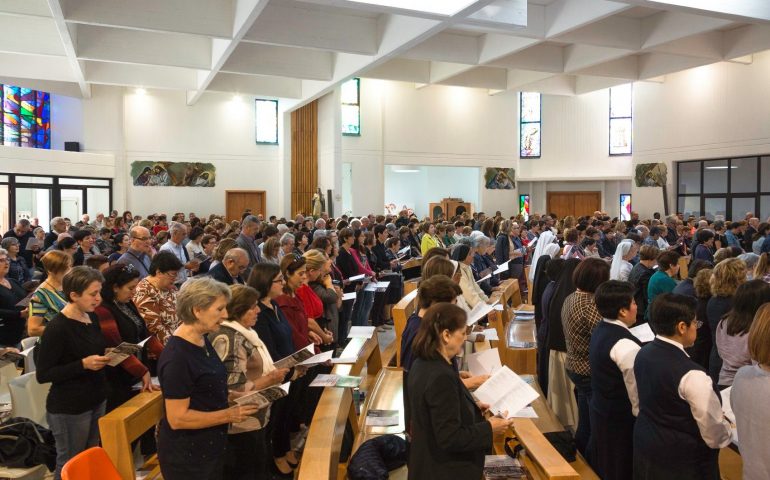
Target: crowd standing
(221,301)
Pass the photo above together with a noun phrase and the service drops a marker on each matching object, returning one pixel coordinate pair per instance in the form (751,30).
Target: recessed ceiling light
(140,91)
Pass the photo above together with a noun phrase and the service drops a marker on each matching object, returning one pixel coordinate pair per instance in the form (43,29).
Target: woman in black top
(275,332)
(11,292)
(72,359)
(193,431)
(450,437)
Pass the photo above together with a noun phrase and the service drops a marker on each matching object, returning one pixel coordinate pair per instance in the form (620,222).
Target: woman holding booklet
(72,358)
(120,321)
(249,369)
(450,436)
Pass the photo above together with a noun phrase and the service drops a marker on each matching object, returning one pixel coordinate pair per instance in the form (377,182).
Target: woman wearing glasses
(276,333)
(155,296)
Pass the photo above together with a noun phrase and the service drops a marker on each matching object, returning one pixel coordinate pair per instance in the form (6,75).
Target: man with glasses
(137,253)
(175,245)
(230,271)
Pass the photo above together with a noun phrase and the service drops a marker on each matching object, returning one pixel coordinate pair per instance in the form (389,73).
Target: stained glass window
(351,107)
(621,124)
(524,206)
(25,117)
(267,121)
(529,124)
(625,206)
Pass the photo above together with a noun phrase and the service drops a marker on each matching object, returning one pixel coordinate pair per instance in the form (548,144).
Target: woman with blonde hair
(762,270)
(752,382)
(49,298)
(727,276)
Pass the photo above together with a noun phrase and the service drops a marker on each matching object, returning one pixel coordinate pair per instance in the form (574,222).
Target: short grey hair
(481,241)
(198,293)
(320,223)
(249,220)
(3,252)
(7,242)
(177,227)
(286,238)
(282,228)
(56,220)
(320,234)
(355,224)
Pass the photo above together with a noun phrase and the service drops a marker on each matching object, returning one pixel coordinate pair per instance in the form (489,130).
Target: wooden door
(573,203)
(237,201)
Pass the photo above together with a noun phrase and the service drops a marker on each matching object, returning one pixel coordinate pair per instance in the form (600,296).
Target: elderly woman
(509,248)
(450,436)
(155,296)
(484,264)
(11,316)
(72,360)
(193,431)
(17,267)
(472,293)
(49,298)
(120,321)
(249,369)
(287,245)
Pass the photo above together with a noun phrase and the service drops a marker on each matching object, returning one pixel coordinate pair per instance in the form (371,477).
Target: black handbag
(25,444)
(376,457)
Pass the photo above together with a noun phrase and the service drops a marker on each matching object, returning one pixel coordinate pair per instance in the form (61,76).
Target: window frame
(256,121)
(522,123)
(611,118)
(757,194)
(357,105)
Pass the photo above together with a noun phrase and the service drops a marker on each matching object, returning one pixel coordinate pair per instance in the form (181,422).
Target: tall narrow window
(267,122)
(529,124)
(621,124)
(351,107)
(25,117)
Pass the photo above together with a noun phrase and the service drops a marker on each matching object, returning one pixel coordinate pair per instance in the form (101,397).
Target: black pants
(246,457)
(278,429)
(583,397)
(612,438)
(378,309)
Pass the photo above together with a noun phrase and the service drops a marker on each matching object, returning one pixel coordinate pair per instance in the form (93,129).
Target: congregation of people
(220,302)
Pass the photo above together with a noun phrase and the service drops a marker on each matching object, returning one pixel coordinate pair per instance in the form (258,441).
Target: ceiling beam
(563,16)
(261,86)
(492,78)
(68,39)
(447,47)
(578,57)
(246,12)
(746,40)
(145,76)
(291,25)
(259,59)
(665,27)
(402,70)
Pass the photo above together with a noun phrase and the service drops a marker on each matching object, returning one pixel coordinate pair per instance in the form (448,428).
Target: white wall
(159,126)
(428,185)
(66,121)
(330,149)
(715,111)
(453,126)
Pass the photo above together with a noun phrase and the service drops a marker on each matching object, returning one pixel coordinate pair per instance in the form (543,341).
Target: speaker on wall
(71,146)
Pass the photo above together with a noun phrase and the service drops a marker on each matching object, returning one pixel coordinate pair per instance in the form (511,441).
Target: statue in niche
(319,205)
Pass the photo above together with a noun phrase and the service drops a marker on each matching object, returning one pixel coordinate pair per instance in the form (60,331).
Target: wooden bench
(321,456)
(125,424)
(401,313)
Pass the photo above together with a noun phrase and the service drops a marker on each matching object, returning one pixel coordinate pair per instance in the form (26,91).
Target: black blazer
(348,267)
(449,435)
(220,274)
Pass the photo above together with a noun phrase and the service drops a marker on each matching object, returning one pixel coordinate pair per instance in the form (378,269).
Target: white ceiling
(300,50)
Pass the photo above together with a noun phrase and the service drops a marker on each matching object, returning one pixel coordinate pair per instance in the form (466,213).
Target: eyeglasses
(170,274)
(4,260)
(144,239)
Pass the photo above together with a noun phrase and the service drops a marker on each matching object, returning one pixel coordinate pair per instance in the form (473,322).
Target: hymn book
(506,392)
(118,354)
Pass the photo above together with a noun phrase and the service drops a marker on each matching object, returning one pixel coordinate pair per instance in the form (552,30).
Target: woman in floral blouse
(155,296)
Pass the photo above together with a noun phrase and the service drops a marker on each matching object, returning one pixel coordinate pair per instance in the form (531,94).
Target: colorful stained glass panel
(25,117)
(530,140)
(11,121)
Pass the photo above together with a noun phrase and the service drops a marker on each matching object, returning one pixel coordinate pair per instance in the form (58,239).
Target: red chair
(92,464)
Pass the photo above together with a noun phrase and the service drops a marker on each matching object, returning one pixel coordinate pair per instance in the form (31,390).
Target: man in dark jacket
(229,272)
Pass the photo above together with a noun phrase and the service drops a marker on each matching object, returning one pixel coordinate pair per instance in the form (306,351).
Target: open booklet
(333,380)
(11,357)
(118,354)
(266,396)
(306,356)
(479,311)
(507,392)
(485,362)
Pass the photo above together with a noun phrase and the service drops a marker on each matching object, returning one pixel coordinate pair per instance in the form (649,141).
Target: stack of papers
(357,278)
(377,286)
(382,418)
(643,332)
(485,362)
(506,392)
(332,380)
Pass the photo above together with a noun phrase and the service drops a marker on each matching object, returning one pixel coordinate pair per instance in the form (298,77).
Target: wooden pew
(401,313)
(321,456)
(683,262)
(125,424)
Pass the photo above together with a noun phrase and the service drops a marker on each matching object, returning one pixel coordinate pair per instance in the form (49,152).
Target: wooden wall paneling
(304,158)
(573,203)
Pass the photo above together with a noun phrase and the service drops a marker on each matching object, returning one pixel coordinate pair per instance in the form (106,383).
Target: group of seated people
(221,301)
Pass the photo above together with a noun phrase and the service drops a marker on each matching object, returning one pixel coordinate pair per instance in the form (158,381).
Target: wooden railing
(401,313)
(125,424)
